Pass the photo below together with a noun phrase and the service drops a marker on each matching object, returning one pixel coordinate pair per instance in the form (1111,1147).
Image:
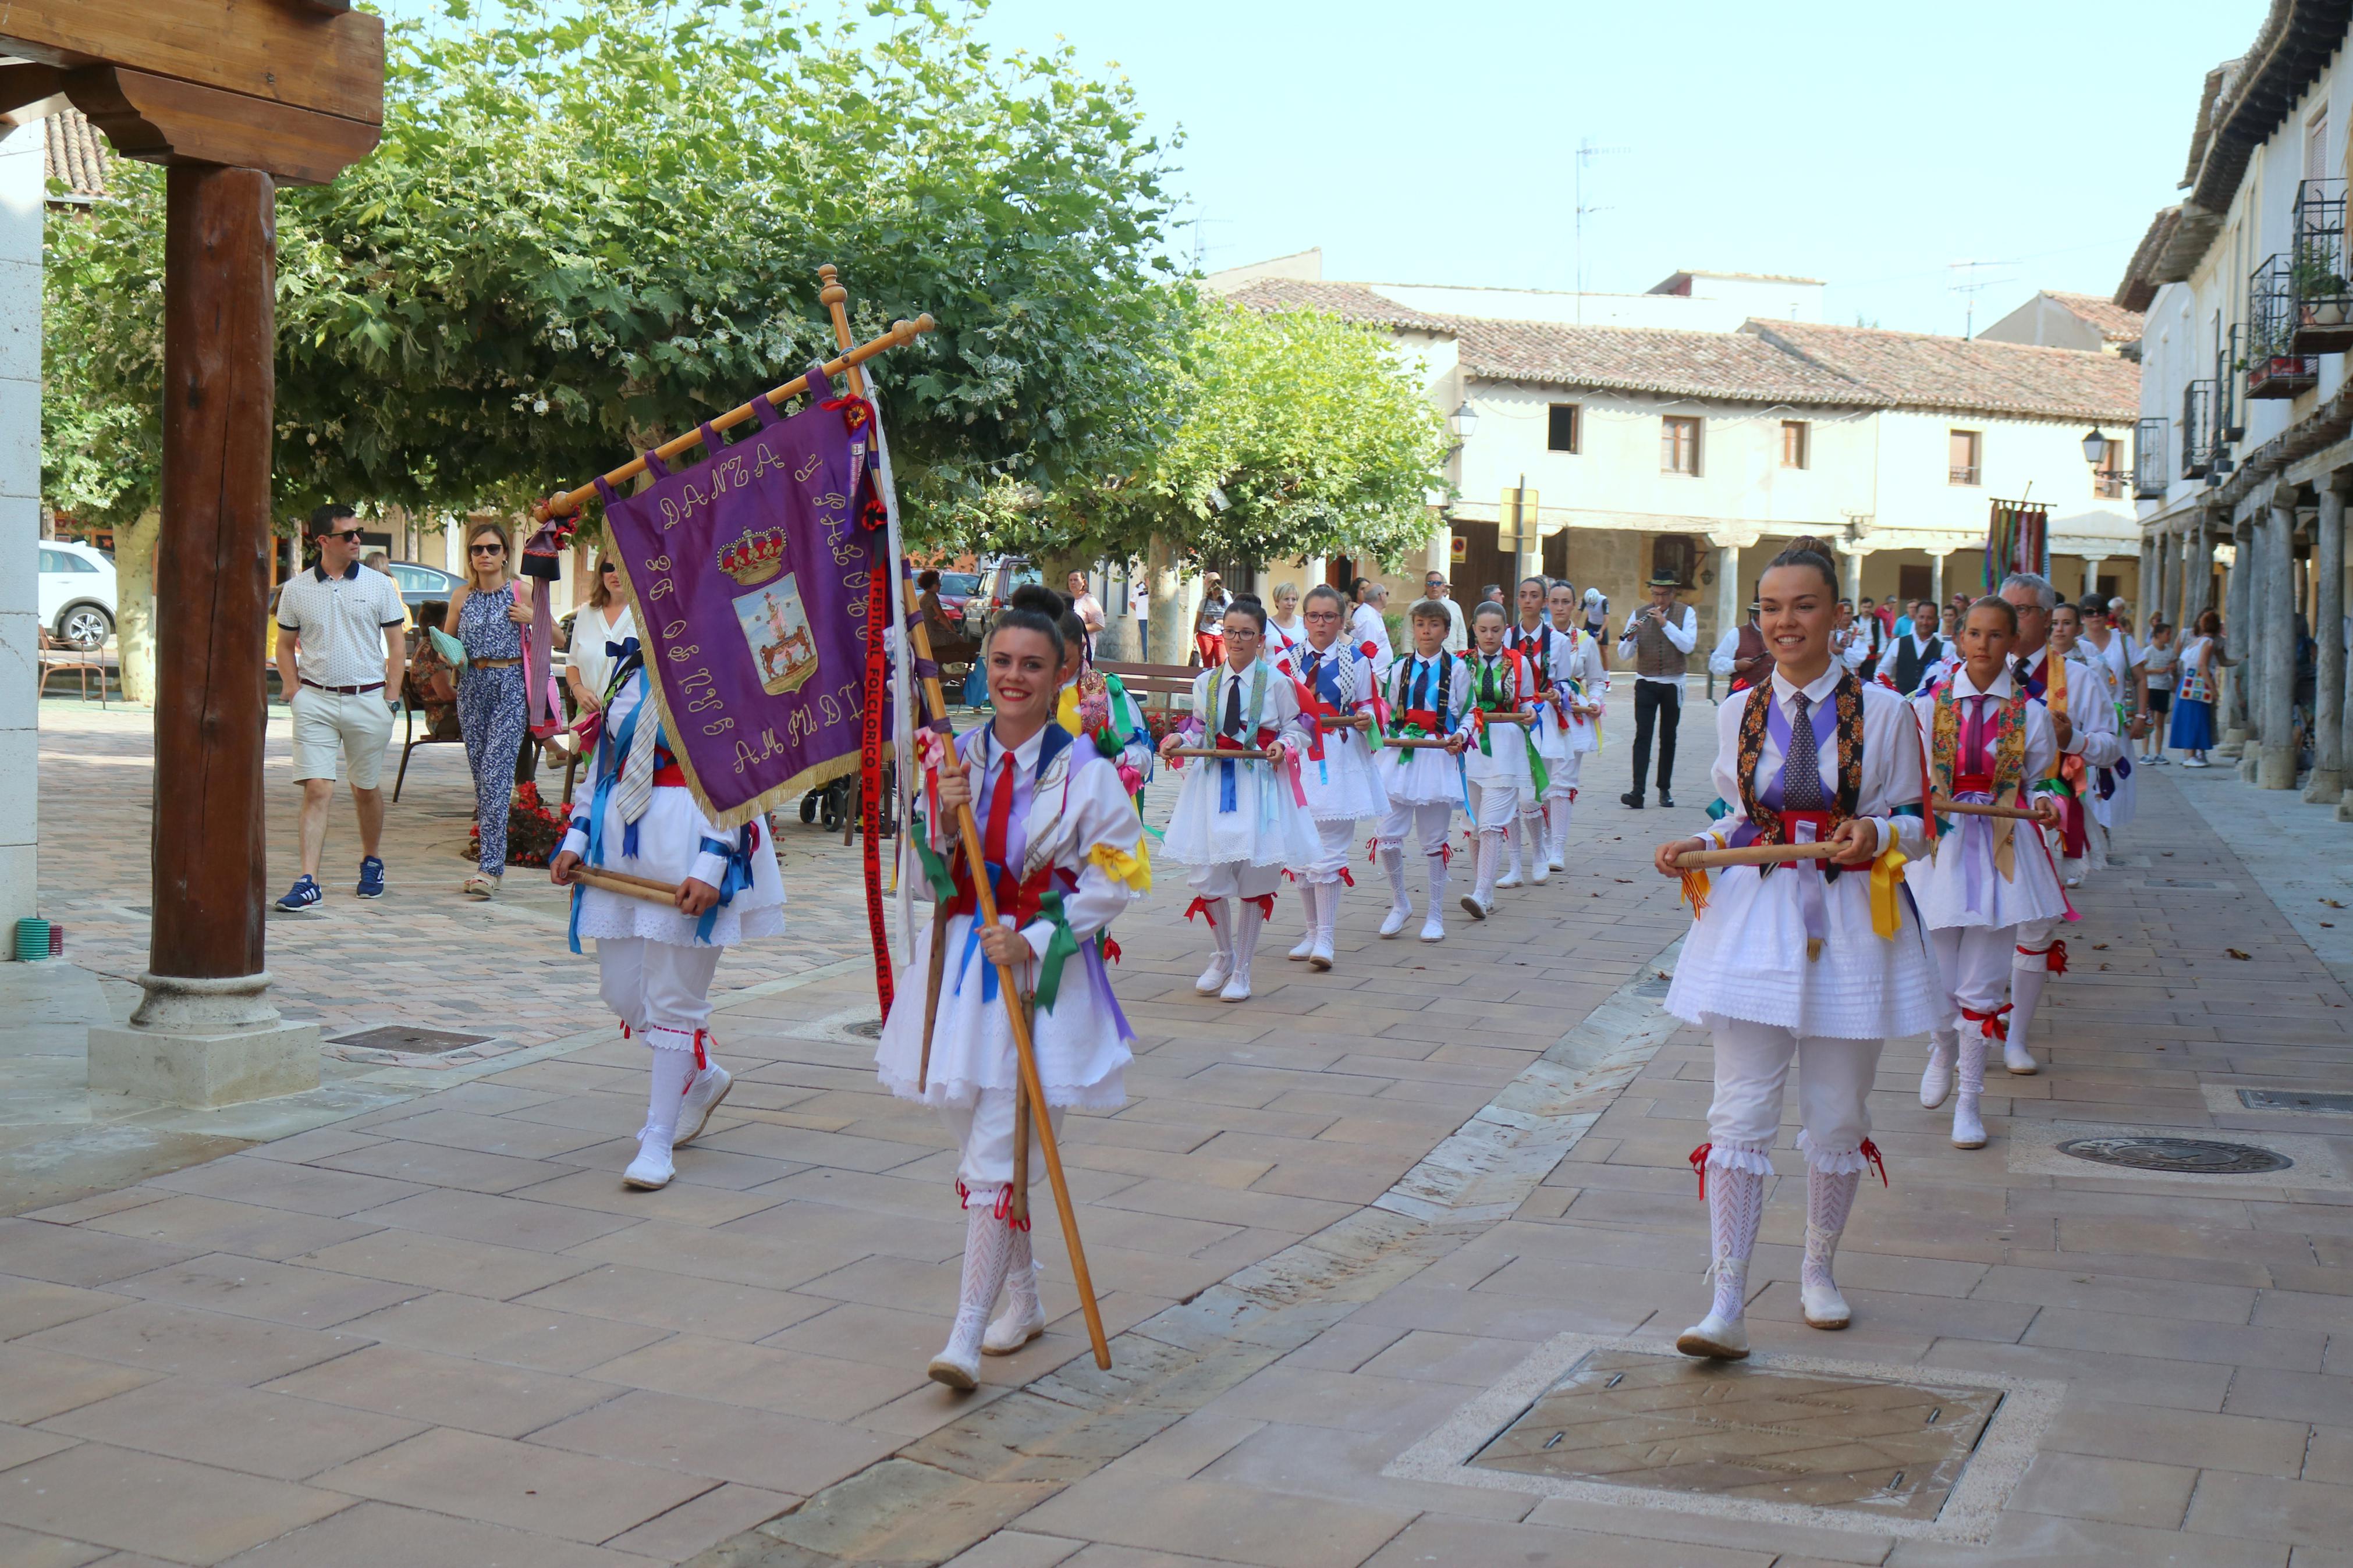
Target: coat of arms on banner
(753,577)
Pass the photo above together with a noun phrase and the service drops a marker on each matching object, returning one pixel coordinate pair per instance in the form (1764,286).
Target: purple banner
(750,573)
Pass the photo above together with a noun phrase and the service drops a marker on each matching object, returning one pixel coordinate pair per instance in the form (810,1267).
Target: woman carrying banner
(655,960)
(1238,824)
(1989,744)
(1065,853)
(1814,962)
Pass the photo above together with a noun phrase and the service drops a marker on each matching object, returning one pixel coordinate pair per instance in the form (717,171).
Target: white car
(77,594)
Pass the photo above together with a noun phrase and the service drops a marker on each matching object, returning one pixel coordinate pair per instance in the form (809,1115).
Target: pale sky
(1870,146)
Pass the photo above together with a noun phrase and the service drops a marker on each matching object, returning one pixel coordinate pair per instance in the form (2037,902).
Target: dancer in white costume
(1334,682)
(1429,698)
(1801,962)
(1239,824)
(1065,853)
(1572,720)
(654,963)
(2085,727)
(1531,637)
(1505,772)
(1989,744)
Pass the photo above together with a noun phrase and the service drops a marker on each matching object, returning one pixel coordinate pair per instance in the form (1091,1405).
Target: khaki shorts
(330,724)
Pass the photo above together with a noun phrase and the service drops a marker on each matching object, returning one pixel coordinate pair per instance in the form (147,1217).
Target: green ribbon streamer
(1059,951)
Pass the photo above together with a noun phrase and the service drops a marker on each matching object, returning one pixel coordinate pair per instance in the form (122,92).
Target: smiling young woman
(1819,964)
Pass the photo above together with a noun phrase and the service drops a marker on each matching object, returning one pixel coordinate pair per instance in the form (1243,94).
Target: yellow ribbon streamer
(1133,866)
(1886,881)
(1695,891)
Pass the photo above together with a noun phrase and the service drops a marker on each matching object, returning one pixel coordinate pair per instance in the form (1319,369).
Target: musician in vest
(2085,728)
(1989,744)
(1811,961)
(1502,771)
(655,962)
(1429,699)
(1335,682)
(1572,724)
(1064,855)
(1740,654)
(1238,824)
(1657,641)
(1918,651)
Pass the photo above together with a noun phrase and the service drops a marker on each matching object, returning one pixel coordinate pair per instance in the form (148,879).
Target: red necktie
(1000,814)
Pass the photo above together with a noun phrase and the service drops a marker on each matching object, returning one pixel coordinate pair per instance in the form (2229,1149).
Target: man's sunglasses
(345,534)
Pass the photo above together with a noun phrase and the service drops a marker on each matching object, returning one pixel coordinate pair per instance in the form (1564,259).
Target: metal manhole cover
(1662,1422)
(2177,1156)
(868,1028)
(2294,1099)
(415,1042)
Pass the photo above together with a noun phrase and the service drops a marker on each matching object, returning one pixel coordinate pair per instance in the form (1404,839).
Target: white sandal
(480,886)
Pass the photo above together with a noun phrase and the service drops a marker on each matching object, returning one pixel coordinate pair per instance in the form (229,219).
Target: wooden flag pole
(570,502)
(1753,854)
(1944,808)
(836,299)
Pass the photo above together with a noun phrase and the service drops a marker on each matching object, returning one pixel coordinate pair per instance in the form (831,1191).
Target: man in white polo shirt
(340,653)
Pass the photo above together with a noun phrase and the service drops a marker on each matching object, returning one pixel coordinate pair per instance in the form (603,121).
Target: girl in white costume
(1531,637)
(1572,725)
(1989,744)
(1335,681)
(2090,705)
(655,962)
(1806,962)
(1505,772)
(1428,698)
(1239,824)
(1065,853)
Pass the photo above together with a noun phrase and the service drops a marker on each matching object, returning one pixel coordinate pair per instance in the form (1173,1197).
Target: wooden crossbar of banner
(1753,854)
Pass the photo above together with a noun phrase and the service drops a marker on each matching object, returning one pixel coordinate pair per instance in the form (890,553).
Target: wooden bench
(1142,680)
(57,656)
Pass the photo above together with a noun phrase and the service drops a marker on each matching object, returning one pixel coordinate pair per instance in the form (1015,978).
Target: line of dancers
(1926,920)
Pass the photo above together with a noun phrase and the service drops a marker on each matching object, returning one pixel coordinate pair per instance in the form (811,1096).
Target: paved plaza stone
(1336,1230)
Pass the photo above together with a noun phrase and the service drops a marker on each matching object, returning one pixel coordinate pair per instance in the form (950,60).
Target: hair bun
(1806,541)
(1039,598)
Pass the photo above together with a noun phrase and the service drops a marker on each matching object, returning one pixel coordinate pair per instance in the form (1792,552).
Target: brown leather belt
(345,690)
(493,663)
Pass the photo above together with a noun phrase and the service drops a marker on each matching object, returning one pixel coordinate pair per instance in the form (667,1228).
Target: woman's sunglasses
(609,566)
(486,550)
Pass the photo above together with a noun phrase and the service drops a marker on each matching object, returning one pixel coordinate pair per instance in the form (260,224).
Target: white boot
(1480,902)
(1024,1318)
(1327,914)
(1511,852)
(1307,895)
(651,1171)
(1937,1078)
(1829,1199)
(1532,828)
(1434,928)
(2029,973)
(987,1248)
(1969,1128)
(1221,968)
(674,1079)
(1401,907)
(1735,1209)
(1556,833)
(702,1097)
(1246,929)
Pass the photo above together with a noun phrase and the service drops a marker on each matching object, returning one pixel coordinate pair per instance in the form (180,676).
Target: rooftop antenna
(1586,152)
(1967,283)
(1201,249)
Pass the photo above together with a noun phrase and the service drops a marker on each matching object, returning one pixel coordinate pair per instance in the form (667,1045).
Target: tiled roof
(1353,301)
(1738,365)
(73,150)
(1918,370)
(2117,324)
(2140,284)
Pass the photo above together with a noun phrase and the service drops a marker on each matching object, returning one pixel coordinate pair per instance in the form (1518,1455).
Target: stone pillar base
(2275,767)
(2326,787)
(204,1043)
(2345,809)
(2250,768)
(227,1068)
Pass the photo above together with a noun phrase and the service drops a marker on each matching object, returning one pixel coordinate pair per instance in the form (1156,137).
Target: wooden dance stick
(1754,855)
(621,882)
(1219,752)
(1417,742)
(835,298)
(1510,718)
(564,505)
(1965,809)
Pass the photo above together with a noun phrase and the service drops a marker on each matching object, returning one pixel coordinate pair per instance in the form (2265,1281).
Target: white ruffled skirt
(1746,959)
(1267,825)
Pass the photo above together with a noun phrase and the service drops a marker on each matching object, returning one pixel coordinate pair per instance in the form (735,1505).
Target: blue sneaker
(303,895)
(371,878)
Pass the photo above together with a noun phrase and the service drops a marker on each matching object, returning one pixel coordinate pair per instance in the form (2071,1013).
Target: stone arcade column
(2239,636)
(206,1034)
(2328,785)
(2275,685)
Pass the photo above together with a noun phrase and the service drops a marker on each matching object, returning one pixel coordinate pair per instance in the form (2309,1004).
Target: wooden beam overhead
(159,120)
(295,53)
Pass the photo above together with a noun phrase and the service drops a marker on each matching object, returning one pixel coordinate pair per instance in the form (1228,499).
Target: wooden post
(220,266)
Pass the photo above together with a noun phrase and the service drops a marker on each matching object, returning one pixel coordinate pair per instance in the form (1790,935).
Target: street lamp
(2095,448)
(1463,422)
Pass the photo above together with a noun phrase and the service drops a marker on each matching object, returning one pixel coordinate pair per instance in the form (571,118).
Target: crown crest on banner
(756,557)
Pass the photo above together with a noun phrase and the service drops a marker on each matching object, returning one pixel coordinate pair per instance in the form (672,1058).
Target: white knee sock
(1221,931)
(1021,1273)
(2029,973)
(673,1072)
(1830,1196)
(1393,862)
(1437,882)
(1310,896)
(1247,923)
(1328,911)
(988,1252)
(1735,1209)
(1512,844)
(1491,850)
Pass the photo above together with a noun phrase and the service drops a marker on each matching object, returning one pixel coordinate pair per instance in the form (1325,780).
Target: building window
(1793,443)
(2108,481)
(1674,555)
(1561,434)
(1967,450)
(1678,445)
